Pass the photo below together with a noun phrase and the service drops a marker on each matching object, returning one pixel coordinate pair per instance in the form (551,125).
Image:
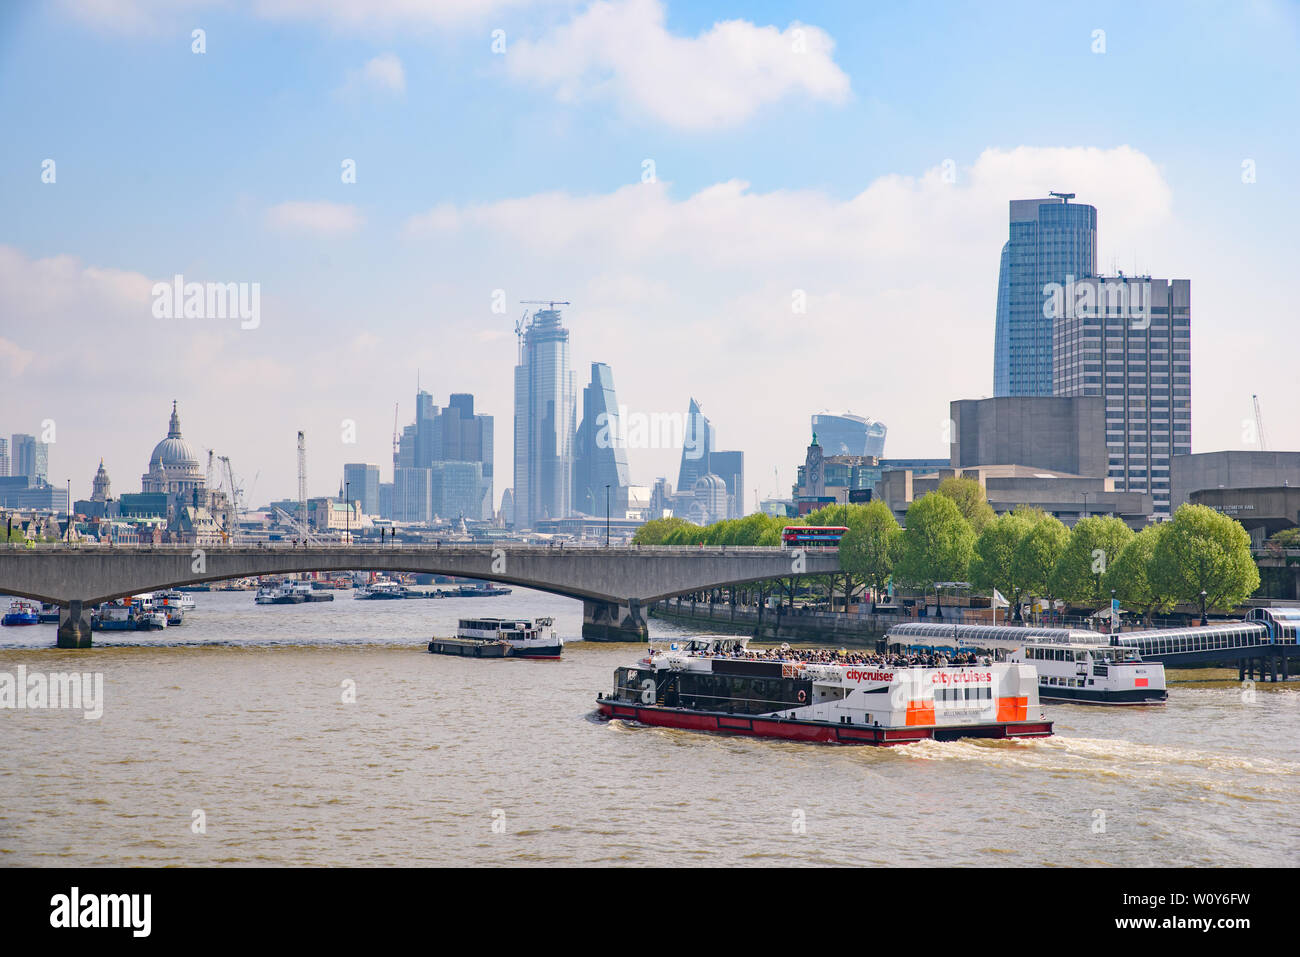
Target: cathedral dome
(174,451)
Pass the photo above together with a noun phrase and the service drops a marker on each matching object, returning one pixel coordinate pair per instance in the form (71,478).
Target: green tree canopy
(1094,543)
(872,545)
(1205,550)
(937,542)
(1034,562)
(995,549)
(1129,574)
(970,499)
(657,530)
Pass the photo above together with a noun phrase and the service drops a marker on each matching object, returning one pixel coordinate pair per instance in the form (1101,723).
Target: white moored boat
(714,683)
(1093,673)
(525,638)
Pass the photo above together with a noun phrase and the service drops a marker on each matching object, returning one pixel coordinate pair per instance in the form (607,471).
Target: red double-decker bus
(812,536)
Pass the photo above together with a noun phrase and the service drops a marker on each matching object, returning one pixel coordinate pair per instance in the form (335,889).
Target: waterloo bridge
(615,585)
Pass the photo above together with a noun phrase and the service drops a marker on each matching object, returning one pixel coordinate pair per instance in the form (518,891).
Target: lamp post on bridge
(347,494)
(607,516)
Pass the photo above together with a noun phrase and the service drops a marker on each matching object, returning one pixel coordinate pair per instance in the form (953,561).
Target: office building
(4,458)
(362,485)
(413,495)
(30,458)
(697,443)
(1051,241)
(599,453)
(849,434)
(1128,339)
(545,414)
(730,467)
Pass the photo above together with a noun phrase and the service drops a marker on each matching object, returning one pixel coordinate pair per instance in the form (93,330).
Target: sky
(776,208)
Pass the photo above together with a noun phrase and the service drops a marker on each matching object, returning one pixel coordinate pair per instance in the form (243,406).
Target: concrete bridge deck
(615,584)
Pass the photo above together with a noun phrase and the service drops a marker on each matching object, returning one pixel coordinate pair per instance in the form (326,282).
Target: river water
(237,721)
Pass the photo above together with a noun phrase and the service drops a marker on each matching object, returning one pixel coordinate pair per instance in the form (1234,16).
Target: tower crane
(236,495)
(1259,425)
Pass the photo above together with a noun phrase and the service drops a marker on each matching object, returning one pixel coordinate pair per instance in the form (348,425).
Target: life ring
(803,695)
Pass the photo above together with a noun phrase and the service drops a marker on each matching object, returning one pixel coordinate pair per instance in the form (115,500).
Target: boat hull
(12,620)
(463,648)
(817,732)
(548,652)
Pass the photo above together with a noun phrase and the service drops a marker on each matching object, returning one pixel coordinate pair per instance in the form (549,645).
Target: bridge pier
(74,627)
(610,621)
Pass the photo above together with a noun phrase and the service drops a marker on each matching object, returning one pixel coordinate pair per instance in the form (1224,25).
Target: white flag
(999,601)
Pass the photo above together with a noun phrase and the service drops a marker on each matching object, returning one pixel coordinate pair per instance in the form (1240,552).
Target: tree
(657,530)
(1287,538)
(1130,574)
(1034,561)
(970,499)
(994,551)
(1205,550)
(1094,543)
(937,542)
(872,545)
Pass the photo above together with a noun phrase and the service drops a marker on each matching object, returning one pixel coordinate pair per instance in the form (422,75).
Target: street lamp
(347,494)
(607,516)
(938,602)
(1204,621)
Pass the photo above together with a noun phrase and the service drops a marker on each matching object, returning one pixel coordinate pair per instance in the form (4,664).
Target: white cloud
(158,16)
(383,74)
(321,217)
(900,281)
(622,49)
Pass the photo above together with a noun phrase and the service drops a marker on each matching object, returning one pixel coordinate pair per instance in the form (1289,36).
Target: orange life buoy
(802,695)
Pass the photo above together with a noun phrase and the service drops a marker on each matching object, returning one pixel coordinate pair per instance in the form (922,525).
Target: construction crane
(236,495)
(548,303)
(302,485)
(1259,425)
(397,442)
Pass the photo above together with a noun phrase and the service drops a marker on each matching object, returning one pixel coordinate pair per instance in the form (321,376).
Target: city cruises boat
(382,591)
(309,593)
(1092,673)
(22,612)
(282,593)
(534,638)
(702,685)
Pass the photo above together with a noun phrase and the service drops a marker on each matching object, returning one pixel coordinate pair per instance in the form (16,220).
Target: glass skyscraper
(362,485)
(599,455)
(849,434)
(697,443)
(545,413)
(1051,241)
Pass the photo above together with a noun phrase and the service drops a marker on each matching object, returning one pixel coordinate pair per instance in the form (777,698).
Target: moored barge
(707,684)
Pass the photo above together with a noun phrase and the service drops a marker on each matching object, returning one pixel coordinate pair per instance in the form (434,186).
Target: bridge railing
(289,547)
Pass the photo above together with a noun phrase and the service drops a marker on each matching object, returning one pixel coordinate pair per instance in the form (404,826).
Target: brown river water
(237,721)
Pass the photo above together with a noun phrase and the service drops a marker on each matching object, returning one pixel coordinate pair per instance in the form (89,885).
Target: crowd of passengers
(823,656)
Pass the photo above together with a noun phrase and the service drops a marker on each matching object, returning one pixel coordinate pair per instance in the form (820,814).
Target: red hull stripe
(814,731)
